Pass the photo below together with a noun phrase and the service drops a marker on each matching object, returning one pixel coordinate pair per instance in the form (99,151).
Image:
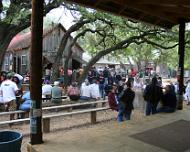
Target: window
(6,63)
(23,64)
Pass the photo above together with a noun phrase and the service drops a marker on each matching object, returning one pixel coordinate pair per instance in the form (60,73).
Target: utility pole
(36,72)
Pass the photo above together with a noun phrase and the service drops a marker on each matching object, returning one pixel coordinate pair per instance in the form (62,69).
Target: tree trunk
(4,43)
(73,28)
(138,65)
(7,32)
(66,67)
(55,72)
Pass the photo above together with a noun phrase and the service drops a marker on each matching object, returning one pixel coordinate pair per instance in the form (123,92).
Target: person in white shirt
(1,96)
(85,90)
(46,89)
(9,90)
(187,92)
(94,90)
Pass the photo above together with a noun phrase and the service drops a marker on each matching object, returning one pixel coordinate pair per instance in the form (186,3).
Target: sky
(60,15)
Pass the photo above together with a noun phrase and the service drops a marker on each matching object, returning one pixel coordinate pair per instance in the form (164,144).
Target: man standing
(9,90)
(126,103)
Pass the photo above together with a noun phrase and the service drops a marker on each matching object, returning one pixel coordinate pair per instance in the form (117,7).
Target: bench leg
(70,110)
(103,104)
(93,117)
(46,125)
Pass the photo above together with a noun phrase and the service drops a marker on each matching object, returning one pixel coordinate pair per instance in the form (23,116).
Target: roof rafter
(165,13)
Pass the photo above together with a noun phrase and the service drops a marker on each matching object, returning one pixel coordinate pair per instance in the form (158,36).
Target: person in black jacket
(126,103)
(152,95)
(169,100)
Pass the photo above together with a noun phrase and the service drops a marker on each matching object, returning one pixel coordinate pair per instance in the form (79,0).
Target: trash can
(10,141)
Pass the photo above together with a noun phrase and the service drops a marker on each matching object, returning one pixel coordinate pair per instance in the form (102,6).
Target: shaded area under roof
(164,13)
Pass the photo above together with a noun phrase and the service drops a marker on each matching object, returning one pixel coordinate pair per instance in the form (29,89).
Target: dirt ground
(70,123)
(74,123)
(77,122)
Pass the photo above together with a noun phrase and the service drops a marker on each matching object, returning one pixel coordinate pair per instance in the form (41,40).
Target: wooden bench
(46,118)
(12,112)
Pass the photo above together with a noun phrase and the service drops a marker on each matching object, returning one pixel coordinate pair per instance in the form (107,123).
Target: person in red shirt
(112,99)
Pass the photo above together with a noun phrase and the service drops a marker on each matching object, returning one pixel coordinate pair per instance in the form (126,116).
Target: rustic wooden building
(17,55)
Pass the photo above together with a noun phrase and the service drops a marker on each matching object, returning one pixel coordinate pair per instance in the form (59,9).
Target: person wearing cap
(9,91)
(56,93)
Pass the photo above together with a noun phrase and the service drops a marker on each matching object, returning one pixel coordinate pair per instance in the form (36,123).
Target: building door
(18,65)
(75,64)
(14,64)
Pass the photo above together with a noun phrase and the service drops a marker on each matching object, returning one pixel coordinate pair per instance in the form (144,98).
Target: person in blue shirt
(25,106)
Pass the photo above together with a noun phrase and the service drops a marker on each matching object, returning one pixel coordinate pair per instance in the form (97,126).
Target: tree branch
(158,45)
(102,53)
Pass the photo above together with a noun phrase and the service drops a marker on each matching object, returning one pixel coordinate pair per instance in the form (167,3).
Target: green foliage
(115,29)
(14,13)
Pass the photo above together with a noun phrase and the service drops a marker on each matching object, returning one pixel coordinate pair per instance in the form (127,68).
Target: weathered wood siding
(51,41)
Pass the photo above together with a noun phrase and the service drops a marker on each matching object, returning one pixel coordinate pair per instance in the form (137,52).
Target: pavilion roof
(164,13)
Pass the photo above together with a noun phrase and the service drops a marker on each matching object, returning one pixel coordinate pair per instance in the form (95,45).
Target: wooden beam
(181,52)
(179,9)
(178,15)
(108,6)
(155,2)
(135,7)
(97,2)
(154,12)
(156,9)
(36,72)
(163,2)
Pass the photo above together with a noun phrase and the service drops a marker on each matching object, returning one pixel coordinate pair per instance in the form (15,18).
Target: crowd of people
(118,87)
(157,98)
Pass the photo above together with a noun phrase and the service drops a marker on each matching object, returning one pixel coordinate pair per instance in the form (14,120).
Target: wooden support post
(36,71)
(181,52)
(93,117)
(46,125)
